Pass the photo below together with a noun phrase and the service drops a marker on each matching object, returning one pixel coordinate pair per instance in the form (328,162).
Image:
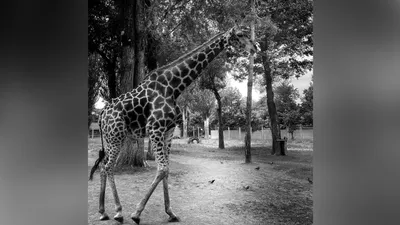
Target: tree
(306,108)
(260,115)
(173,27)
(286,106)
(249,89)
(213,79)
(94,73)
(203,103)
(183,101)
(286,47)
(133,41)
(291,119)
(103,39)
(286,96)
(233,108)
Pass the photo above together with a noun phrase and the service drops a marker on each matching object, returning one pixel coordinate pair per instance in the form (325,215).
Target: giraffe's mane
(187,55)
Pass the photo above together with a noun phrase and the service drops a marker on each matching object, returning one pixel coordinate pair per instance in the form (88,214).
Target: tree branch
(103,55)
(180,23)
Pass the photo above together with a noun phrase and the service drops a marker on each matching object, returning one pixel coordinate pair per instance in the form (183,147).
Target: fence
(264,134)
(94,130)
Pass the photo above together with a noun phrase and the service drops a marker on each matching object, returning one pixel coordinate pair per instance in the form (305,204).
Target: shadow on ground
(271,190)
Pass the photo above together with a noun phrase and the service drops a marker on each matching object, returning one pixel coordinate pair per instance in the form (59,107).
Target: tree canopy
(283,30)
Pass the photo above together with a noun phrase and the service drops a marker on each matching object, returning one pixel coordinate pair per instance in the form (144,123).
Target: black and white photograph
(200,112)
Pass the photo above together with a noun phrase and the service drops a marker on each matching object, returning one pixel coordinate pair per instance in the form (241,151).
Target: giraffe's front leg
(140,207)
(168,210)
(167,145)
(157,143)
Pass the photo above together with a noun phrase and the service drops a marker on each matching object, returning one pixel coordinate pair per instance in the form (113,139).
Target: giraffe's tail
(96,164)
(101,152)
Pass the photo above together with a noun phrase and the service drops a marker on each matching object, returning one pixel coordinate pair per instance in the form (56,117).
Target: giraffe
(152,107)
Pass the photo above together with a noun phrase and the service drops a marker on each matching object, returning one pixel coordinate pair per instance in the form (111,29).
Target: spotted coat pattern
(152,107)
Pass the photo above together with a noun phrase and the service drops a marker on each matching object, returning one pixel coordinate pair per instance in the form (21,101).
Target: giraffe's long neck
(183,71)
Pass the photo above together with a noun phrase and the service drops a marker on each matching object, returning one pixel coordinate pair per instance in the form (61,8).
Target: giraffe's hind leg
(103,181)
(168,210)
(109,168)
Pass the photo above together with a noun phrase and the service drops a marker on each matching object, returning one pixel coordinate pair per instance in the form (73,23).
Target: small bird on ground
(246,187)
(271,162)
(257,168)
(309,180)
(211,181)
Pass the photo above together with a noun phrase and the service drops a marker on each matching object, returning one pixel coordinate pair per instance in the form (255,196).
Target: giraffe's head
(239,38)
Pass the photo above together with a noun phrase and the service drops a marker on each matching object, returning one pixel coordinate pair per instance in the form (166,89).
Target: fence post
(240,134)
(92,133)
(262,133)
(301,131)
(229,133)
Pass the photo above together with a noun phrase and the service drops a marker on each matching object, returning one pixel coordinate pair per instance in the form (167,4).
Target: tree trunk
(140,49)
(249,94)
(273,116)
(112,78)
(206,128)
(152,44)
(221,144)
(92,90)
(132,71)
(184,123)
(128,46)
(126,156)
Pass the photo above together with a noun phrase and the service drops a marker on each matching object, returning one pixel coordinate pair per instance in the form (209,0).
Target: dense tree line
(131,38)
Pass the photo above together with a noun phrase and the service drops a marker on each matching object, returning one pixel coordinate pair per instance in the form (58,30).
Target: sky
(301,83)
(100,103)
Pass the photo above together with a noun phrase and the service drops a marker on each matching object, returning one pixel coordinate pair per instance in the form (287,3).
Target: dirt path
(239,194)
(223,199)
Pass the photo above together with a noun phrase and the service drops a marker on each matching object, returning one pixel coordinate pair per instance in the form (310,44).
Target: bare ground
(276,193)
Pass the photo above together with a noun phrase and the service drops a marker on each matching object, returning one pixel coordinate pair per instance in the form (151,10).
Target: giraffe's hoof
(136,220)
(173,219)
(119,219)
(104,217)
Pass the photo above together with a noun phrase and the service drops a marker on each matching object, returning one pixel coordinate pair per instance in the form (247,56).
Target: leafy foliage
(306,108)
(291,47)
(233,108)
(94,76)
(203,102)
(283,29)
(286,106)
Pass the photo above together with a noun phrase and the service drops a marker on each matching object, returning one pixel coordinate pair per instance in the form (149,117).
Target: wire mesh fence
(264,134)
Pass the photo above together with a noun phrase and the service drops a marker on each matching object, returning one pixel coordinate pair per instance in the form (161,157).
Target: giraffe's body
(152,107)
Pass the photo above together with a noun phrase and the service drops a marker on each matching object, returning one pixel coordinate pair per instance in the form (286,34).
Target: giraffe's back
(126,115)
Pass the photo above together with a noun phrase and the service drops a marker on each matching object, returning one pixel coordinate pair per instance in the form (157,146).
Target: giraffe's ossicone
(152,107)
